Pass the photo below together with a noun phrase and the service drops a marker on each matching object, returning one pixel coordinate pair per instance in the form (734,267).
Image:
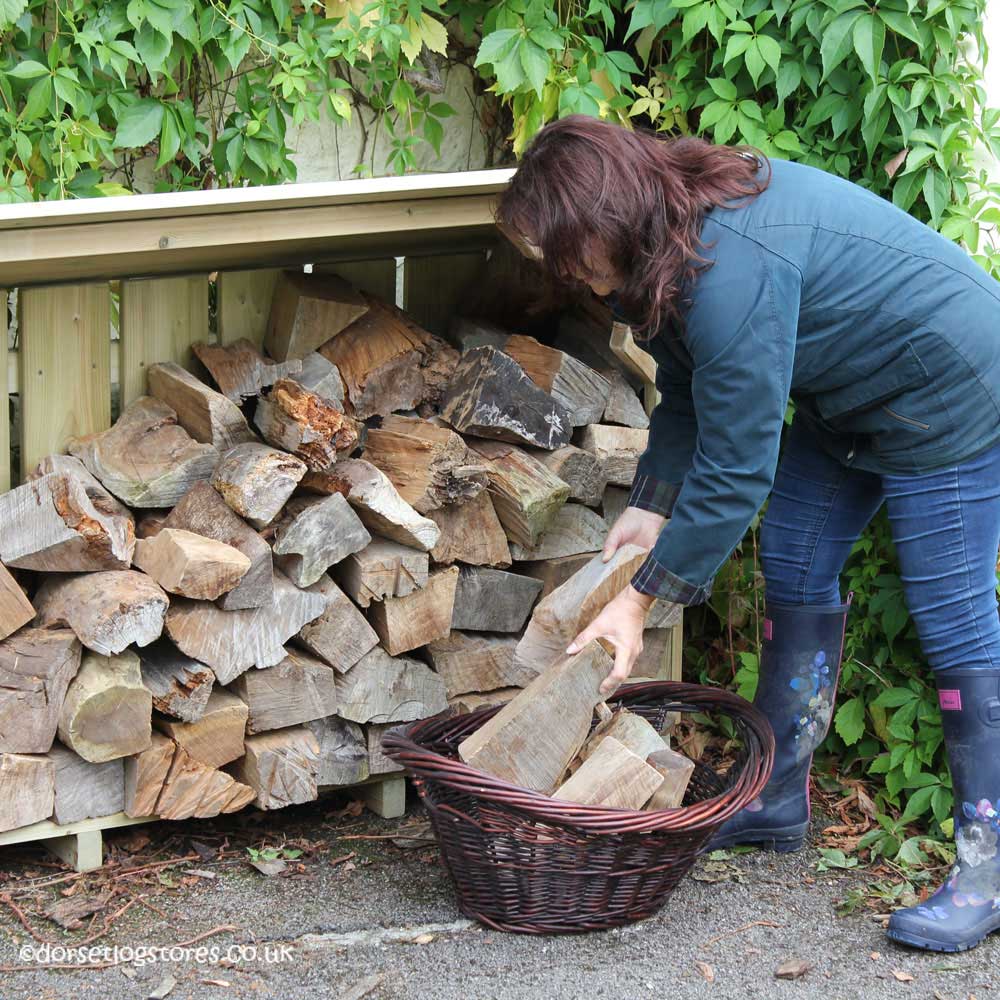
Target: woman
(756,282)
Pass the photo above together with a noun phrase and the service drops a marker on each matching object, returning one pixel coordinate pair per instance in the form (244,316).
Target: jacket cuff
(655,579)
(653,494)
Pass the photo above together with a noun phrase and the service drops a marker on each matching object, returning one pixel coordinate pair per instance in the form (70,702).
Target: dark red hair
(586,183)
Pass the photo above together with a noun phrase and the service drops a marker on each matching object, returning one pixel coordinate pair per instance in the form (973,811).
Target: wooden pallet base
(81,844)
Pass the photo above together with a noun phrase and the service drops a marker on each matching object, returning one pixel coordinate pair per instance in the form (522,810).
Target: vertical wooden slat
(160,319)
(243,301)
(434,286)
(4,401)
(65,366)
(377,277)
(676,650)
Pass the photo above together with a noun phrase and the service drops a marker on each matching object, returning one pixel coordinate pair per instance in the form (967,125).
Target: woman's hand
(621,624)
(640,527)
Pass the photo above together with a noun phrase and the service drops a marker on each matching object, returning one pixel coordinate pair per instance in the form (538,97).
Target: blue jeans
(945,525)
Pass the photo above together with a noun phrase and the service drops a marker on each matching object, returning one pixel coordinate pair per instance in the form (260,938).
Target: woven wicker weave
(522,861)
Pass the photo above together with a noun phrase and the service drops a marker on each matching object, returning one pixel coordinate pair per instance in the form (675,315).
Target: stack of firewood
(228,596)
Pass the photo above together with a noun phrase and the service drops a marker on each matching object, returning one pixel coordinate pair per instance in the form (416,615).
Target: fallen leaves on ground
(901,977)
(707,972)
(793,968)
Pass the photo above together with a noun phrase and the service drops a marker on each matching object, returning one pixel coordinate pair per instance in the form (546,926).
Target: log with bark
(579,469)
(405,623)
(256,480)
(617,448)
(384,688)
(575,529)
(383,569)
(217,736)
(191,565)
(240,370)
(70,465)
(180,685)
(341,635)
(492,600)
(471,533)
(471,662)
(281,766)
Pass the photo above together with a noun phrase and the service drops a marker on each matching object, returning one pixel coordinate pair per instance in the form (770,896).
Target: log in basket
(524,862)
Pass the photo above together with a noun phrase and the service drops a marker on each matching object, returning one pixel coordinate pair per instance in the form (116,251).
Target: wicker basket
(522,861)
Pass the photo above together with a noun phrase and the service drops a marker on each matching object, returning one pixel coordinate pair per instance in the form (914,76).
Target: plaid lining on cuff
(653,494)
(655,579)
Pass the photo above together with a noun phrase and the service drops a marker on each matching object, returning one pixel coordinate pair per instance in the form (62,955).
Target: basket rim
(402,747)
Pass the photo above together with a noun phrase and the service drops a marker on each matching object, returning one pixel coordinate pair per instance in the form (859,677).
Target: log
(384,688)
(473,663)
(146,459)
(320,376)
(298,689)
(144,775)
(554,572)
(559,702)
(27,789)
(256,480)
(51,524)
(490,396)
(558,619)
(314,534)
(404,623)
(281,767)
(203,511)
(617,448)
(106,712)
(217,736)
(180,686)
(383,569)
(343,751)
(233,641)
(207,415)
(191,565)
(240,370)
(525,494)
(108,611)
(471,702)
(69,465)
(629,729)
(378,761)
(152,523)
(635,361)
(428,464)
(585,332)
(341,635)
(575,529)
(36,667)
(579,469)
(614,777)
(623,405)
(297,420)
(377,502)
(492,600)
(581,390)
(471,533)
(653,662)
(614,503)
(307,310)
(84,790)
(15,608)
(467,333)
(675,769)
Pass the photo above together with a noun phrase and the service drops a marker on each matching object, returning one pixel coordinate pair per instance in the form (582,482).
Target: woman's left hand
(621,623)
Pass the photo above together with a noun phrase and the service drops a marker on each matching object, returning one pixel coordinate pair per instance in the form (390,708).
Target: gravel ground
(330,927)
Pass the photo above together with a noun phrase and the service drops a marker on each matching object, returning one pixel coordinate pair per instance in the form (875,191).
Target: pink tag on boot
(768,629)
(950,700)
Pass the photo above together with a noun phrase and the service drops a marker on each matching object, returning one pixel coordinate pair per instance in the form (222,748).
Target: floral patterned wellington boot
(799,668)
(967,907)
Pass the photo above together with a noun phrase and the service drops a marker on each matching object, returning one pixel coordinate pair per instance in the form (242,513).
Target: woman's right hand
(635,526)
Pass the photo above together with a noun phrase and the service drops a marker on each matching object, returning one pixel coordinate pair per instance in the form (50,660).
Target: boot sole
(929,944)
(779,843)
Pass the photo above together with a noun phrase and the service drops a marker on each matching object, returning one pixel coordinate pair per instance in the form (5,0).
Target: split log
(675,769)
(281,767)
(490,396)
(491,600)
(146,459)
(470,663)
(581,390)
(574,529)
(233,641)
(191,565)
(559,702)
(152,523)
(51,524)
(614,777)
(108,611)
(298,689)
(467,333)
(384,688)
(36,667)
(378,761)
(378,503)
(623,405)
(404,623)
(203,511)
(629,729)
(428,464)
(27,789)
(617,448)
(256,480)
(554,572)
(320,376)
(614,503)
(307,310)
(240,370)
(207,415)
(653,663)
(525,494)
(558,619)
(585,332)
(106,712)
(15,608)
(463,703)
(84,790)
(471,533)
(311,427)
(341,635)
(579,469)
(383,569)
(664,614)
(180,686)
(144,775)
(217,736)
(343,751)
(636,361)
(69,465)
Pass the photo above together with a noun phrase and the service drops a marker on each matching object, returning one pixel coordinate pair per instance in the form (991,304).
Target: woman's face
(600,273)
